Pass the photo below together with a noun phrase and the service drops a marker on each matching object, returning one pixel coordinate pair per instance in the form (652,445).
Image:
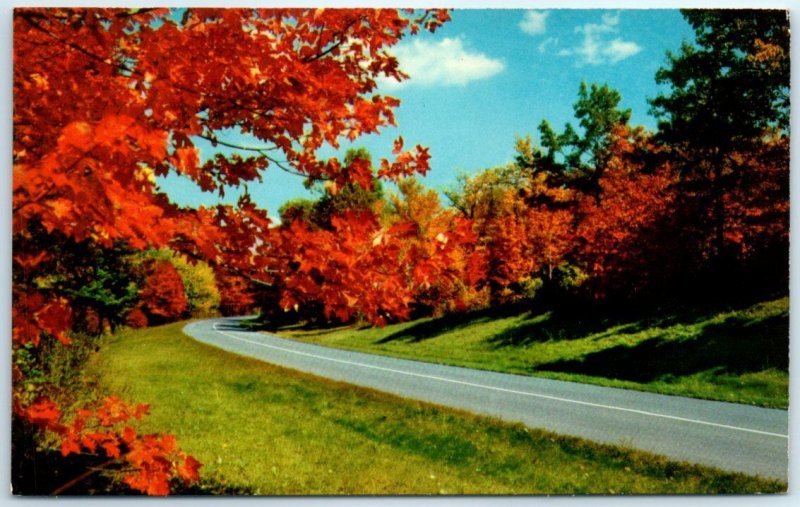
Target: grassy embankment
(739,355)
(267,430)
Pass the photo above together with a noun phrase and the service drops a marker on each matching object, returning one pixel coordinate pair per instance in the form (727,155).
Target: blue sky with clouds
(491,75)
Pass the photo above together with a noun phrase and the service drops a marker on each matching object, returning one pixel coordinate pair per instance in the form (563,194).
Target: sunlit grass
(739,356)
(267,430)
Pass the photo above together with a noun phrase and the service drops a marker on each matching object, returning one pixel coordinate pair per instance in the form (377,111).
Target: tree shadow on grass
(434,327)
(561,326)
(571,323)
(737,345)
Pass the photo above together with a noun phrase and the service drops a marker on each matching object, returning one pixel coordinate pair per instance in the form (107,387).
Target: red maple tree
(105,100)
(620,239)
(163,296)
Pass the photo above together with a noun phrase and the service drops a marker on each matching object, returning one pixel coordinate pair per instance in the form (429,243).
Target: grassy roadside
(738,356)
(267,430)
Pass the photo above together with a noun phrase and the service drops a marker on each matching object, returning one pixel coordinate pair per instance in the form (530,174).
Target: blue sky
(489,76)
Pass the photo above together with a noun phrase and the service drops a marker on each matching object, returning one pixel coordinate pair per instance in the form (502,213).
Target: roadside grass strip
(266,430)
(738,355)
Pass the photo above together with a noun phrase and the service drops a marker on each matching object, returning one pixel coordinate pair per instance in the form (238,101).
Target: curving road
(729,436)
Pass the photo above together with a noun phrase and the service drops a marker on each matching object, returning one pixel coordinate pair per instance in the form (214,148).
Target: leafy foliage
(444,264)
(199,282)
(153,460)
(107,99)
(728,102)
(237,295)
(573,215)
(579,160)
(337,199)
(162,297)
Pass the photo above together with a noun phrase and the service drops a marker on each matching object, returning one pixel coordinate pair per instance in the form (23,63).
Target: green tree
(101,282)
(579,158)
(728,94)
(336,199)
(297,209)
(351,195)
(110,293)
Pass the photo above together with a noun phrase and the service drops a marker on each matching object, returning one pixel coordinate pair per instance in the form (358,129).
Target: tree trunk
(719,208)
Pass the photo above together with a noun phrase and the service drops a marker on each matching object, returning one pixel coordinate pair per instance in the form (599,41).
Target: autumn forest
(598,215)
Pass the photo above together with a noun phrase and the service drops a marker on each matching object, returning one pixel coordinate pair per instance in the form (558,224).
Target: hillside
(738,355)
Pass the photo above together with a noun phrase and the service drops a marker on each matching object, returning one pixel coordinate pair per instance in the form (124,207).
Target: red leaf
(43,412)
(141,410)
(89,443)
(128,435)
(112,450)
(189,469)
(56,318)
(69,446)
(398,145)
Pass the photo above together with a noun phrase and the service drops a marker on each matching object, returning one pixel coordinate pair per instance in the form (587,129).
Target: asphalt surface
(729,436)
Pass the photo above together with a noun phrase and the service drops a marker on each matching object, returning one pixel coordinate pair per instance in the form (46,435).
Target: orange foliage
(757,204)
(107,99)
(154,459)
(163,294)
(618,230)
(136,319)
(362,268)
(236,294)
(444,266)
(353,267)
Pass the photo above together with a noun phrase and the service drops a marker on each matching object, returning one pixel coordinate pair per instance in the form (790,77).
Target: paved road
(725,435)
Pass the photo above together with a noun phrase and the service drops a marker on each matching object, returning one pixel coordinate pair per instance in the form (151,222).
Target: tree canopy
(725,114)
(578,158)
(105,100)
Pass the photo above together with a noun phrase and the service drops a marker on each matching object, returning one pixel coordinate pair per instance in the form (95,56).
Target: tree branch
(29,17)
(67,485)
(258,150)
(339,42)
(217,140)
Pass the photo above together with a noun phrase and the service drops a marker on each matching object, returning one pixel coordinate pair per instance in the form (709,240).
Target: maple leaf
(398,145)
(55,318)
(128,435)
(112,449)
(43,412)
(69,446)
(189,469)
(186,160)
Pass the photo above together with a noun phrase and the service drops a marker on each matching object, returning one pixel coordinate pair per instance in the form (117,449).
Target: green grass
(736,355)
(267,430)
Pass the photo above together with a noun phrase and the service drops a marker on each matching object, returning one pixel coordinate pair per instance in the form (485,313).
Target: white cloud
(550,41)
(619,49)
(598,47)
(534,22)
(443,63)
